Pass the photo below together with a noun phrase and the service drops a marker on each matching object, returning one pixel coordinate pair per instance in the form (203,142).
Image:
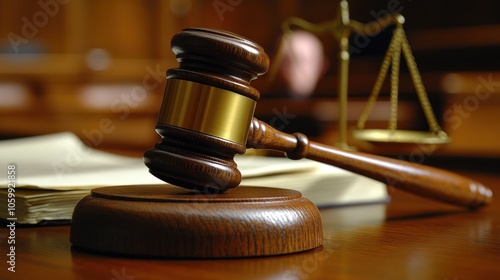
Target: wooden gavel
(207,117)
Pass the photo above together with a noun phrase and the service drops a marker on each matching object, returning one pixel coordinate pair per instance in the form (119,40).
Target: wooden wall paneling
(75,27)
(32,26)
(122,27)
(470,114)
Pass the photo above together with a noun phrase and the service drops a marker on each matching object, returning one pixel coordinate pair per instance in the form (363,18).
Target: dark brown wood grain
(419,179)
(167,221)
(410,237)
(194,160)
(223,60)
(218,58)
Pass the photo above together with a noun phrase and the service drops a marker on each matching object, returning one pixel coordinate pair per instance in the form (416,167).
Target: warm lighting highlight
(452,83)
(13,95)
(98,59)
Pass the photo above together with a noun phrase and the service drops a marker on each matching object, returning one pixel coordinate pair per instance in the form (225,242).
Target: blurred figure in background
(302,64)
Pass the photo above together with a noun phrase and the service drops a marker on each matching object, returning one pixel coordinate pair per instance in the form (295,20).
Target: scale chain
(392,58)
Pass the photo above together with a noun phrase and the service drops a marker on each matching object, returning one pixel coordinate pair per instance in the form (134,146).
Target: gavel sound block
(205,119)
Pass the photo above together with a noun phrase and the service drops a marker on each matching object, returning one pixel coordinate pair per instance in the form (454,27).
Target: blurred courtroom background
(97,67)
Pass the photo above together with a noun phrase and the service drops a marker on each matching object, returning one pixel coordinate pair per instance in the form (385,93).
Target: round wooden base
(167,221)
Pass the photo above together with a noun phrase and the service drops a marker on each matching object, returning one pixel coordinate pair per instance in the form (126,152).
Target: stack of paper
(52,172)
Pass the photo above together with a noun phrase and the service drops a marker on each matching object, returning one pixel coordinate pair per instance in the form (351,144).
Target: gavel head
(206,111)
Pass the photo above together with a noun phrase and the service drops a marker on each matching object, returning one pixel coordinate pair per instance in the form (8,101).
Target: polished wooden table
(409,238)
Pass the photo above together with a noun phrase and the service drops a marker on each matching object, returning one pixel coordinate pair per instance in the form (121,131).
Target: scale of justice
(206,118)
(381,140)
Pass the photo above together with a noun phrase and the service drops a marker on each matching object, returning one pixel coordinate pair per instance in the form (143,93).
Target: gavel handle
(422,180)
